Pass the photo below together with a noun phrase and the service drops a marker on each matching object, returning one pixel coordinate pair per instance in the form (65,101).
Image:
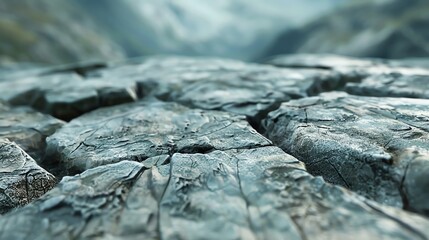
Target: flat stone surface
(392,85)
(21,179)
(259,193)
(66,95)
(218,84)
(350,69)
(142,130)
(27,128)
(374,146)
(185,162)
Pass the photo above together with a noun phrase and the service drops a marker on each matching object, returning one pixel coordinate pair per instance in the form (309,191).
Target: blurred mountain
(383,29)
(46,31)
(236,29)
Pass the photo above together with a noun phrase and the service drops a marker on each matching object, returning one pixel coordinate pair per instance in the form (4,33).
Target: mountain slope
(45,31)
(385,29)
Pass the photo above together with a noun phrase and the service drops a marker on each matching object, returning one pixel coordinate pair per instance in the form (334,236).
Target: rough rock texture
(185,161)
(257,193)
(371,145)
(142,130)
(349,68)
(66,95)
(27,128)
(392,85)
(21,179)
(216,84)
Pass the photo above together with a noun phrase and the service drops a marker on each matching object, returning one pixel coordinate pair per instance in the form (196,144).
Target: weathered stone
(323,61)
(218,84)
(362,143)
(27,128)
(142,130)
(259,193)
(26,91)
(66,95)
(392,85)
(70,100)
(349,69)
(21,179)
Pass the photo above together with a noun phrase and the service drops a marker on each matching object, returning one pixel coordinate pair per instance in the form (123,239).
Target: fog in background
(66,31)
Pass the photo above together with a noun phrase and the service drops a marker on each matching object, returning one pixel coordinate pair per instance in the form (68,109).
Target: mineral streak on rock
(21,179)
(142,130)
(27,128)
(374,146)
(259,193)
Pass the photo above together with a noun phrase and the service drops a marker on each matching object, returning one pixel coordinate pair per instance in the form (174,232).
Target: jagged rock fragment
(21,179)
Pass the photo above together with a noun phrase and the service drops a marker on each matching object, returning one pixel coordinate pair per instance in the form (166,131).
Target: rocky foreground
(301,147)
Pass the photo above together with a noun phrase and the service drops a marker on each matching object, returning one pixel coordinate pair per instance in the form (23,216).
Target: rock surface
(27,128)
(258,193)
(215,84)
(392,85)
(21,179)
(182,158)
(143,130)
(66,95)
(373,146)
(350,68)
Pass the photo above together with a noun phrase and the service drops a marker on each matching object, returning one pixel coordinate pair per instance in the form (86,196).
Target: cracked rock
(27,128)
(259,193)
(217,84)
(142,130)
(21,179)
(374,146)
(348,68)
(392,85)
(66,95)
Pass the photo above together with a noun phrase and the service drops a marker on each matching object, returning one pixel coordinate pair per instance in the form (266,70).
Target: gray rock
(218,84)
(364,143)
(259,193)
(142,130)
(21,179)
(71,100)
(348,68)
(392,85)
(27,128)
(66,95)
(322,61)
